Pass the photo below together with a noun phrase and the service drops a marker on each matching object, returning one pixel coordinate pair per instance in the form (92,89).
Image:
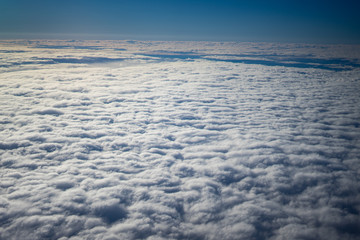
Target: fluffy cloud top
(117,140)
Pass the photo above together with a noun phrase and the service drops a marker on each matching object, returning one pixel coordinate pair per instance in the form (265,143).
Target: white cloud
(178,148)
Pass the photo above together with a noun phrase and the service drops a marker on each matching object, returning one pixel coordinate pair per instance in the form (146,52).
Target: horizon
(83,39)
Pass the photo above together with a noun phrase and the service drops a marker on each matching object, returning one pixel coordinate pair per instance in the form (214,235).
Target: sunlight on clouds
(103,143)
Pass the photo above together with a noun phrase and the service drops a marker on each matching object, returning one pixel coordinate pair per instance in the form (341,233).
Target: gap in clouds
(268,60)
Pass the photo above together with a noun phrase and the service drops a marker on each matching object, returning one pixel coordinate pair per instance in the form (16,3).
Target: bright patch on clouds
(184,140)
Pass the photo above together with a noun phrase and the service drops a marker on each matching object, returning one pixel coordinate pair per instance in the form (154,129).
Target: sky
(205,20)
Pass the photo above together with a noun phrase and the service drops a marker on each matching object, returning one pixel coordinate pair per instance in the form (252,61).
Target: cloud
(164,148)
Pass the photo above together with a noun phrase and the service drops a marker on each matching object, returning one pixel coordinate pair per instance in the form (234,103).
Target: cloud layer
(112,143)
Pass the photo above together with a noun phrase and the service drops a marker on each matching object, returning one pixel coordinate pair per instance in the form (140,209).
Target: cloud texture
(116,140)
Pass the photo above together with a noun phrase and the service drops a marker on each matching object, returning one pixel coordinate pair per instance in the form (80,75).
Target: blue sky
(219,20)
